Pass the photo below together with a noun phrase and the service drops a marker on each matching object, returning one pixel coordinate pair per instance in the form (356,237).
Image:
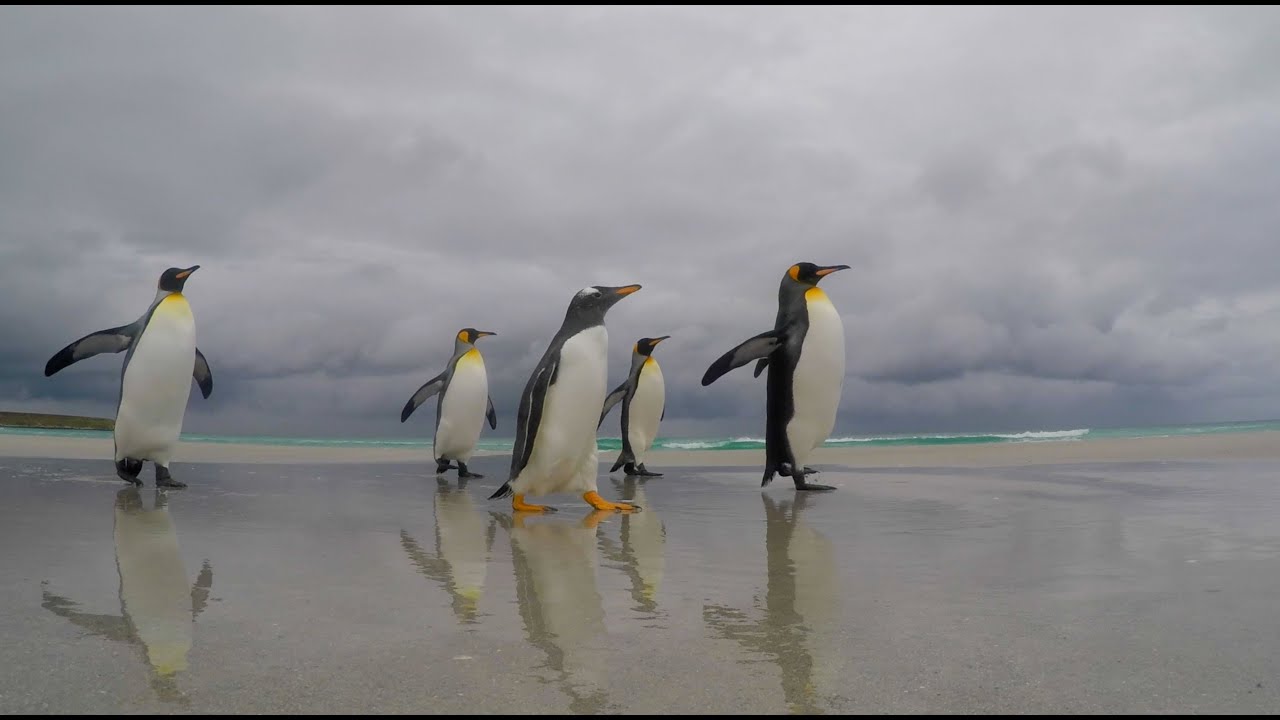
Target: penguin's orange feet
(519,505)
(600,503)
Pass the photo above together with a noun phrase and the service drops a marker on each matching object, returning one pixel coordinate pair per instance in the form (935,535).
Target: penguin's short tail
(502,492)
(768,475)
(624,458)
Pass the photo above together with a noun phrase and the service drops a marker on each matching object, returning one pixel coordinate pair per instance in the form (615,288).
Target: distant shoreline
(46,421)
(1227,446)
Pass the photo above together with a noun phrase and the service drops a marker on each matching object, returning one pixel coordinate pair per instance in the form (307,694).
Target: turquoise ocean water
(733,443)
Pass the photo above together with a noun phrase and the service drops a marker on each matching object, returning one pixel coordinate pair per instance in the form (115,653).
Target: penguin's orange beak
(627,290)
(823,272)
(183,275)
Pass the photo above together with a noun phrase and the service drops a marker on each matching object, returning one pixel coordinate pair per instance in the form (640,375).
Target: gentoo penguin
(555,448)
(158,604)
(156,379)
(464,538)
(643,398)
(464,404)
(804,353)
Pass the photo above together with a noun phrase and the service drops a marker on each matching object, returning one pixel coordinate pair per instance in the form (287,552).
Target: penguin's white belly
(645,411)
(154,587)
(463,409)
(157,383)
(818,378)
(564,449)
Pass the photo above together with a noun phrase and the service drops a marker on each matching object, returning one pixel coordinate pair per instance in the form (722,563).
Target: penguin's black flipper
(756,348)
(529,415)
(203,375)
(112,340)
(432,386)
(491,415)
(614,398)
(760,366)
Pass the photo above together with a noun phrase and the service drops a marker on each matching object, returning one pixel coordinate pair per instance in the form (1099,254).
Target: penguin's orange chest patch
(815,294)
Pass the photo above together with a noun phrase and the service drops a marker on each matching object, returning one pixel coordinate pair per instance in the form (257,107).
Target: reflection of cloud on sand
(555,571)
(801,602)
(463,539)
(157,604)
(643,541)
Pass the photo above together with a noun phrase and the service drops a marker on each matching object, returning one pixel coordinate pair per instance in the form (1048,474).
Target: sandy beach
(1127,576)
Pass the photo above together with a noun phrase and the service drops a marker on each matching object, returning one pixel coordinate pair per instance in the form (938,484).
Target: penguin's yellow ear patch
(464,336)
(794,272)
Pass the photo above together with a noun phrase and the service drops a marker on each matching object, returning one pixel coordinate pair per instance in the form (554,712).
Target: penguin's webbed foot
(519,505)
(165,480)
(464,473)
(127,470)
(802,485)
(645,472)
(599,503)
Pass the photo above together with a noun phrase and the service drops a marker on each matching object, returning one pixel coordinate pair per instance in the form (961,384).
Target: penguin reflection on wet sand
(560,605)
(555,449)
(155,381)
(158,604)
(802,602)
(464,404)
(641,548)
(804,354)
(643,399)
(464,538)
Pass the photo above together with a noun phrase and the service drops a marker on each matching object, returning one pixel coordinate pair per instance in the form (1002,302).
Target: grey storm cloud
(1055,217)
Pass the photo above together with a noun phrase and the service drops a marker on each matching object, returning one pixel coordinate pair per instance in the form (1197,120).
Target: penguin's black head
(591,303)
(174,278)
(471,335)
(645,346)
(809,274)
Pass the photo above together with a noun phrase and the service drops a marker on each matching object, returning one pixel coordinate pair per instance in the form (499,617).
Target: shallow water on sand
(1077,588)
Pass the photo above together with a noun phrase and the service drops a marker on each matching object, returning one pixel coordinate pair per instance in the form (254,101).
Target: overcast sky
(1056,218)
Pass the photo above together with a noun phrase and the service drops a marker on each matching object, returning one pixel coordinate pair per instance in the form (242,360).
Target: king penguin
(804,353)
(555,448)
(643,398)
(156,378)
(464,404)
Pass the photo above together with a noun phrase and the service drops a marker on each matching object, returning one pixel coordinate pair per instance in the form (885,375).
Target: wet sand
(1139,577)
